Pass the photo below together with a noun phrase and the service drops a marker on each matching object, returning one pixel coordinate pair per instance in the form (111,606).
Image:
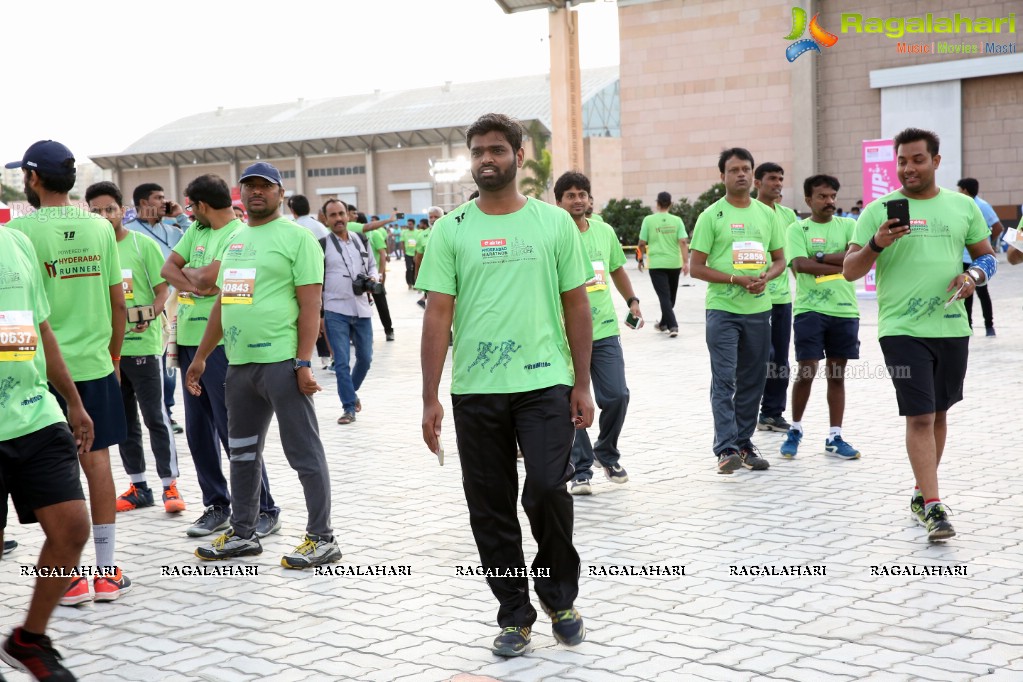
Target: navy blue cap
(47,156)
(262,170)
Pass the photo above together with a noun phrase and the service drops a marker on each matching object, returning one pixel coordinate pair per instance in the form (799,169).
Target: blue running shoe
(791,444)
(839,448)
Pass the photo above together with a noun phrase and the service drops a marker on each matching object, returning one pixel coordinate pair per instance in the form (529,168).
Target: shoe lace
(308,546)
(562,616)
(172,492)
(510,630)
(749,451)
(221,541)
(210,511)
(132,491)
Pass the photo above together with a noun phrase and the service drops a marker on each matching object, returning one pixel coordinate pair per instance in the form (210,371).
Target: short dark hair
(351,207)
(359,216)
(144,190)
(489,123)
(915,134)
(971,186)
(734,151)
(328,202)
(569,180)
(817,181)
(765,168)
(664,199)
(211,190)
(299,204)
(58,184)
(104,189)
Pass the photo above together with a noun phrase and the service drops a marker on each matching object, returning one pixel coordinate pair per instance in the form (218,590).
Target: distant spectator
(299,206)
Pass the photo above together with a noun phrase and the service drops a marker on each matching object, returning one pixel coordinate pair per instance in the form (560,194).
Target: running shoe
(134,498)
(567,625)
(837,447)
(616,474)
(751,458)
(229,546)
(172,502)
(580,486)
(773,424)
(917,507)
(40,660)
(512,641)
(728,461)
(213,519)
(938,526)
(790,447)
(77,592)
(313,551)
(268,523)
(110,588)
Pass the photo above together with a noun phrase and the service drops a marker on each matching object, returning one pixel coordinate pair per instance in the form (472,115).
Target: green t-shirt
(422,239)
(826,294)
(737,241)
(78,256)
(259,272)
(355,227)
(661,232)
(141,261)
(914,272)
(199,247)
(601,246)
(596,216)
(26,405)
(778,288)
(377,241)
(409,239)
(507,274)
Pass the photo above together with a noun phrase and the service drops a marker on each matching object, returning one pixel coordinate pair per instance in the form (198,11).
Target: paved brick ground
(394,506)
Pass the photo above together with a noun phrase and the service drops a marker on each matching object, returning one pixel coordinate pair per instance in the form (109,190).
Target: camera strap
(362,254)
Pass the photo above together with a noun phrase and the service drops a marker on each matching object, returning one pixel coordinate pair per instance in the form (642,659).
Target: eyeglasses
(189,207)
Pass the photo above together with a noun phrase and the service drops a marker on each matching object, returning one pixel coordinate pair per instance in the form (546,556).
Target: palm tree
(540,167)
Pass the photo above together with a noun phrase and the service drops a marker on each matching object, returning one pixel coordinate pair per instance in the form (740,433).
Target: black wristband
(629,301)
(874,247)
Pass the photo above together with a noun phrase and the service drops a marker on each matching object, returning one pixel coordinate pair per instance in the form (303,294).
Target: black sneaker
(728,461)
(389,335)
(773,424)
(616,474)
(39,660)
(512,641)
(567,625)
(989,331)
(213,519)
(229,546)
(176,428)
(268,522)
(9,546)
(938,526)
(751,458)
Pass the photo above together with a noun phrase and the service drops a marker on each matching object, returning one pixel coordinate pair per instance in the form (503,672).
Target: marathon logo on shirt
(500,251)
(241,251)
(8,277)
(918,225)
(738,227)
(818,241)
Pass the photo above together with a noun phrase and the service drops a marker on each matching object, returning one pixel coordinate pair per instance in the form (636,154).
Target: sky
(129,68)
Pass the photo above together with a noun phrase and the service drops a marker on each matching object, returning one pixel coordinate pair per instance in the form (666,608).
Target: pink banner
(880,177)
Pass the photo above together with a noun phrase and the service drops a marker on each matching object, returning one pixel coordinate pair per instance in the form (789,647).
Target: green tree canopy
(625,216)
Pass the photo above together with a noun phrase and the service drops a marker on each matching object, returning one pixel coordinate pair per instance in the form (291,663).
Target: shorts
(103,401)
(927,373)
(39,469)
(818,336)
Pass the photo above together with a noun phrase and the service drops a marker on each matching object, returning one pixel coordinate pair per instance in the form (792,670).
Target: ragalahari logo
(818,36)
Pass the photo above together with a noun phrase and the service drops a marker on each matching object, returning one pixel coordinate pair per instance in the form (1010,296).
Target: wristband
(874,246)
(629,301)
(986,264)
(731,279)
(115,358)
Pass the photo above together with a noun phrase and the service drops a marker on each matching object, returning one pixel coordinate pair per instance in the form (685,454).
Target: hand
(685,268)
(141,327)
(433,415)
(82,427)
(175,210)
(757,284)
(887,235)
(582,407)
(957,282)
(306,381)
(193,375)
(117,369)
(634,309)
(383,277)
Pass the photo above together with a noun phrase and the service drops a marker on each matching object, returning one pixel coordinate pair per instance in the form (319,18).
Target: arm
(382,263)
(683,245)
(161,292)
(859,260)
(308,296)
(118,320)
(809,266)
(624,286)
(210,338)
(642,246)
(172,271)
(777,265)
(579,328)
(203,280)
(58,375)
(996,230)
(372,225)
(433,350)
(418,261)
(1015,256)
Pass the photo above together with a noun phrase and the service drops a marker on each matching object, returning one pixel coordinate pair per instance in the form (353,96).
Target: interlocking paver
(392,505)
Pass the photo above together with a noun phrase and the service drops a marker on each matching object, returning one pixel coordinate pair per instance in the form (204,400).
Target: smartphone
(141,313)
(633,322)
(898,209)
(400,216)
(168,206)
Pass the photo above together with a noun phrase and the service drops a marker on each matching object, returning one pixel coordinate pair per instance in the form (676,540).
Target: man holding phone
(607,363)
(916,236)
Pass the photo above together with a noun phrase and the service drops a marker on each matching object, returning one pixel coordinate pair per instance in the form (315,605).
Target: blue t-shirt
(990,217)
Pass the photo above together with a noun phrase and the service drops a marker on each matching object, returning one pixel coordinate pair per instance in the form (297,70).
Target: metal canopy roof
(349,123)
(513,6)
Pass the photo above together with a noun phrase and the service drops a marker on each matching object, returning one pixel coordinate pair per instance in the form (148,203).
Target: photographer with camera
(350,272)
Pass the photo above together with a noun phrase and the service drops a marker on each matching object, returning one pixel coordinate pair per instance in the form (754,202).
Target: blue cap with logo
(262,170)
(48,157)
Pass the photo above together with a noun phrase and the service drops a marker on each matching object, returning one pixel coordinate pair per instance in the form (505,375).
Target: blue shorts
(818,336)
(103,401)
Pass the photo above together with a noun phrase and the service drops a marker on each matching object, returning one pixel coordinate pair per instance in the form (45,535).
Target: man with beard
(193,268)
(607,363)
(523,332)
(268,313)
(768,178)
(734,240)
(827,321)
(78,254)
(922,325)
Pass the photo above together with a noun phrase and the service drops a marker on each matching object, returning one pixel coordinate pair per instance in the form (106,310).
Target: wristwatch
(819,256)
(977,275)
(629,301)
(302,363)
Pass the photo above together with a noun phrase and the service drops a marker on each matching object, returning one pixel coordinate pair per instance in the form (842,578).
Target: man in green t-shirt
(409,233)
(38,452)
(769,178)
(377,241)
(737,249)
(142,385)
(193,268)
(827,321)
(434,214)
(268,314)
(663,238)
(520,373)
(922,324)
(607,363)
(78,255)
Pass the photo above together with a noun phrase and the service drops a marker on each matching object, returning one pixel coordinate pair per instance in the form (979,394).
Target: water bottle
(172,344)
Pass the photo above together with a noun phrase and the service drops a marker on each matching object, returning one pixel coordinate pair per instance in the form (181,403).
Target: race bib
(411,242)
(18,339)
(599,281)
(185,298)
(748,255)
(821,279)
(239,286)
(127,285)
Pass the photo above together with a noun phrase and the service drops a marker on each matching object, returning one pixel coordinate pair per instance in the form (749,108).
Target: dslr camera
(363,283)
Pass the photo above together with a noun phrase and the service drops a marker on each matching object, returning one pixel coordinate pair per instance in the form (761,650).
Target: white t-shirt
(318,229)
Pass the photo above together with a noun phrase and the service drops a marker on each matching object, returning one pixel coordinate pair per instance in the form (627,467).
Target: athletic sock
(138,479)
(167,482)
(928,504)
(103,539)
(27,637)
(796,426)
(835,431)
